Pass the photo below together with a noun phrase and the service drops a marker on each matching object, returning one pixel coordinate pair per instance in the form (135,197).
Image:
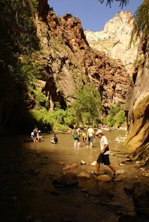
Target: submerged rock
(105,178)
(83,162)
(94,163)
(73,166)
(84,175)
(67,179)
(121,171)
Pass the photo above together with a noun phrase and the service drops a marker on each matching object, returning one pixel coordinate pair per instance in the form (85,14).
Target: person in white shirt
(104,154)
(90,134)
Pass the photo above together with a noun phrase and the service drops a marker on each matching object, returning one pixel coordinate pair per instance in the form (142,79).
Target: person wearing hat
(104,154)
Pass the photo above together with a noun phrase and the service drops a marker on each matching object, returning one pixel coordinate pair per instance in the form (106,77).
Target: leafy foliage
(87,105)
(49,120)
(116,116)
(17,37)
(142,18)
(141,28)
(122,2)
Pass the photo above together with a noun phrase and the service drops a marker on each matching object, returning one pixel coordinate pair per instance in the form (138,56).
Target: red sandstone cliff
(69,62)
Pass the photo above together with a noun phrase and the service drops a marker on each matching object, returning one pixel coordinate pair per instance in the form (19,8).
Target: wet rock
(94,193)
(121,171)
(140,197)
(60,163)
(66,168)
(119,178)
(67,179)
(82,162)
(123,162)
(145,173)
(105,178)
(73,166)
(142,204)
(129,190)
(84,175)
(128,156)
(128,160)
(112,154)
(94,163)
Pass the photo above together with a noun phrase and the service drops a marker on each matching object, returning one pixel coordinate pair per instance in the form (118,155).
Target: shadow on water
(29,169)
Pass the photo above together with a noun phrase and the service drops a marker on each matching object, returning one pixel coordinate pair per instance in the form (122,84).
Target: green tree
(116,116)
(69,117)
(142,18)
(87,105)
(141,27)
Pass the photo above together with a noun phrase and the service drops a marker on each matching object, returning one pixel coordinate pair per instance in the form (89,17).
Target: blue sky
(92,13)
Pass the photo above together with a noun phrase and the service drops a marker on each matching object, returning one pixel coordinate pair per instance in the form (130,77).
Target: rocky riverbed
(45,183)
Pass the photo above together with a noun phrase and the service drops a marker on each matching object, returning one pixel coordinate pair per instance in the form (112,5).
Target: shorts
(84,139)
(90,139)
(103,159)
(33,137)
(76,138)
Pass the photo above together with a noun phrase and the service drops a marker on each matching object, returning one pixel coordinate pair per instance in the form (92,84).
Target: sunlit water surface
(28,170)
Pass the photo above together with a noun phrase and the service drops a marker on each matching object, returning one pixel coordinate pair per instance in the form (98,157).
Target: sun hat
(98,131)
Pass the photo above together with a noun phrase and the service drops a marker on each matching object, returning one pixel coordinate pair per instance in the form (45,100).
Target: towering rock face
(69,63)
(137,107)
(114,39)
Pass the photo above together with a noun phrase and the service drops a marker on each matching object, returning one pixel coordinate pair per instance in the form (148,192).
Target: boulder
(84,175)
(67,179)
(105,178)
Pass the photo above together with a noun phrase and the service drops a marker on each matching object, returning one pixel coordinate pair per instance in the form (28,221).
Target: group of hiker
(36,137)
(77,134)
(104,147)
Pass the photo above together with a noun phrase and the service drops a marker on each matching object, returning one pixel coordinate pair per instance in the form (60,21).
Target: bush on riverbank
(116,116)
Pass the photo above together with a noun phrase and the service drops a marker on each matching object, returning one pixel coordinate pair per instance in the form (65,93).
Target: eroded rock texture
(114,39)
(68,63)
(137,107)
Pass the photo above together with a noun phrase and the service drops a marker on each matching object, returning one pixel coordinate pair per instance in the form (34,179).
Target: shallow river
(28,170)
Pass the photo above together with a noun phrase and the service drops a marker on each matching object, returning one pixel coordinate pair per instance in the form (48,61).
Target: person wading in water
(104,154)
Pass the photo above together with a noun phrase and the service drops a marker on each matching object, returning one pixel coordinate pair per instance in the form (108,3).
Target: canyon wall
(137,107)
(68,63)
(114,39)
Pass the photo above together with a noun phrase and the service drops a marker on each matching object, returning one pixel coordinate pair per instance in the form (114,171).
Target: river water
(28,170)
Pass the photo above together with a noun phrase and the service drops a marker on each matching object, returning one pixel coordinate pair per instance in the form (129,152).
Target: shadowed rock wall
(137,107)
